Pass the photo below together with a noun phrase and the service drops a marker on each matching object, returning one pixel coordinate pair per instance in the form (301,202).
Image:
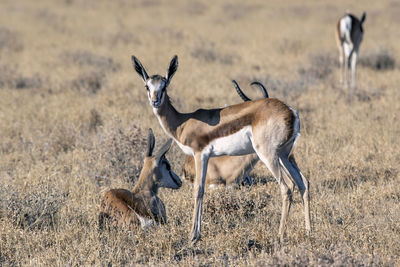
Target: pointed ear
(173,66)
(164,149)
(139,69)
(364,15)
(151,141)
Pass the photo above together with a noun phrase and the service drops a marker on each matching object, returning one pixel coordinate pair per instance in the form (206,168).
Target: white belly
(236,144)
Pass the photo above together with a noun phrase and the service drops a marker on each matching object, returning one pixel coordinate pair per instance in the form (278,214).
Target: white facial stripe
(156,94)
(155,86)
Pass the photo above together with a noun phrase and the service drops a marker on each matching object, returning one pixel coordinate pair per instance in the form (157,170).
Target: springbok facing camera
(142,206)
(226,170)
(349,34)
(267,127)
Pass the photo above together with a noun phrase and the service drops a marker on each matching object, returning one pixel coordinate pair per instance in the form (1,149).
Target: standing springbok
(141,206)
(349,34)
(267,127)
(226,170)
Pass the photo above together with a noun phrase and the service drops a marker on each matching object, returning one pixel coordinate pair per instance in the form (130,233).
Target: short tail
(363,16)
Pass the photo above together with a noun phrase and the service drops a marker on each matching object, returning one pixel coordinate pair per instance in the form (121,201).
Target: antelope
(141,206)
(267,127)
(349,34)
(226,170)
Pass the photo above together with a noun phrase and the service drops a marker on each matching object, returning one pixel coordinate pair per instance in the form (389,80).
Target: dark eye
(147,88)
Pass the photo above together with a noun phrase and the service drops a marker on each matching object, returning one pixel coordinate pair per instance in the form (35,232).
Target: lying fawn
(141,206)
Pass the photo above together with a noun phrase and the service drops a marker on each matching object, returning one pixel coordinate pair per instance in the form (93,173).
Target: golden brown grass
(74,117)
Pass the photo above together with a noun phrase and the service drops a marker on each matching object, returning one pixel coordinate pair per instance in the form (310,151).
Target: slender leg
(353,69)
(347,69)
(289,182)
(341,62)
(286,203)
(290,165)
(272,163)
(201,162)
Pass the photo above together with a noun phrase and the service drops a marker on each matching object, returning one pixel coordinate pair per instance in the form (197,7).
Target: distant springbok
(226,170)
(267,127)
(349,34)
(141,206)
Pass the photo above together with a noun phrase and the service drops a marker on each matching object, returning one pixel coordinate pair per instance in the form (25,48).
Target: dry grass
(74,117)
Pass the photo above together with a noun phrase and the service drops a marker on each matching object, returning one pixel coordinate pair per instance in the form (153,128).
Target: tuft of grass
(10,78)
(289,46)
(82,59)
(9,41)
(36,210)
(320,66)
(122,153)
(95,120)
(209,54)
(380,60)
(90,83)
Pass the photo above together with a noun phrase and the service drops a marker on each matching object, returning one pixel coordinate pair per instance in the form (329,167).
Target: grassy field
(74,118)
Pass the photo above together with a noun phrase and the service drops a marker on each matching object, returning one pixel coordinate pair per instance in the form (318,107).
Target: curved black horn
(164,149)
(151,141)
(240,92)
(262,88)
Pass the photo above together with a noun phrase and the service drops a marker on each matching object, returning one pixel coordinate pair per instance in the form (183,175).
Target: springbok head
(159,167)
(156,85)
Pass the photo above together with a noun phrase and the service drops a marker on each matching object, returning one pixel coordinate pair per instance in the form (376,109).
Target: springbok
(349,34)
(226,170)
(141,206)
(267,127)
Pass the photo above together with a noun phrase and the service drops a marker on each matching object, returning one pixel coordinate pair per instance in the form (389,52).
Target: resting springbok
(226,170)
(349,34)
(267,127)
(141,206)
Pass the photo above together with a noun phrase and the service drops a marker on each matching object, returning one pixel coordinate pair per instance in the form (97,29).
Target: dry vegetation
(74,118)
